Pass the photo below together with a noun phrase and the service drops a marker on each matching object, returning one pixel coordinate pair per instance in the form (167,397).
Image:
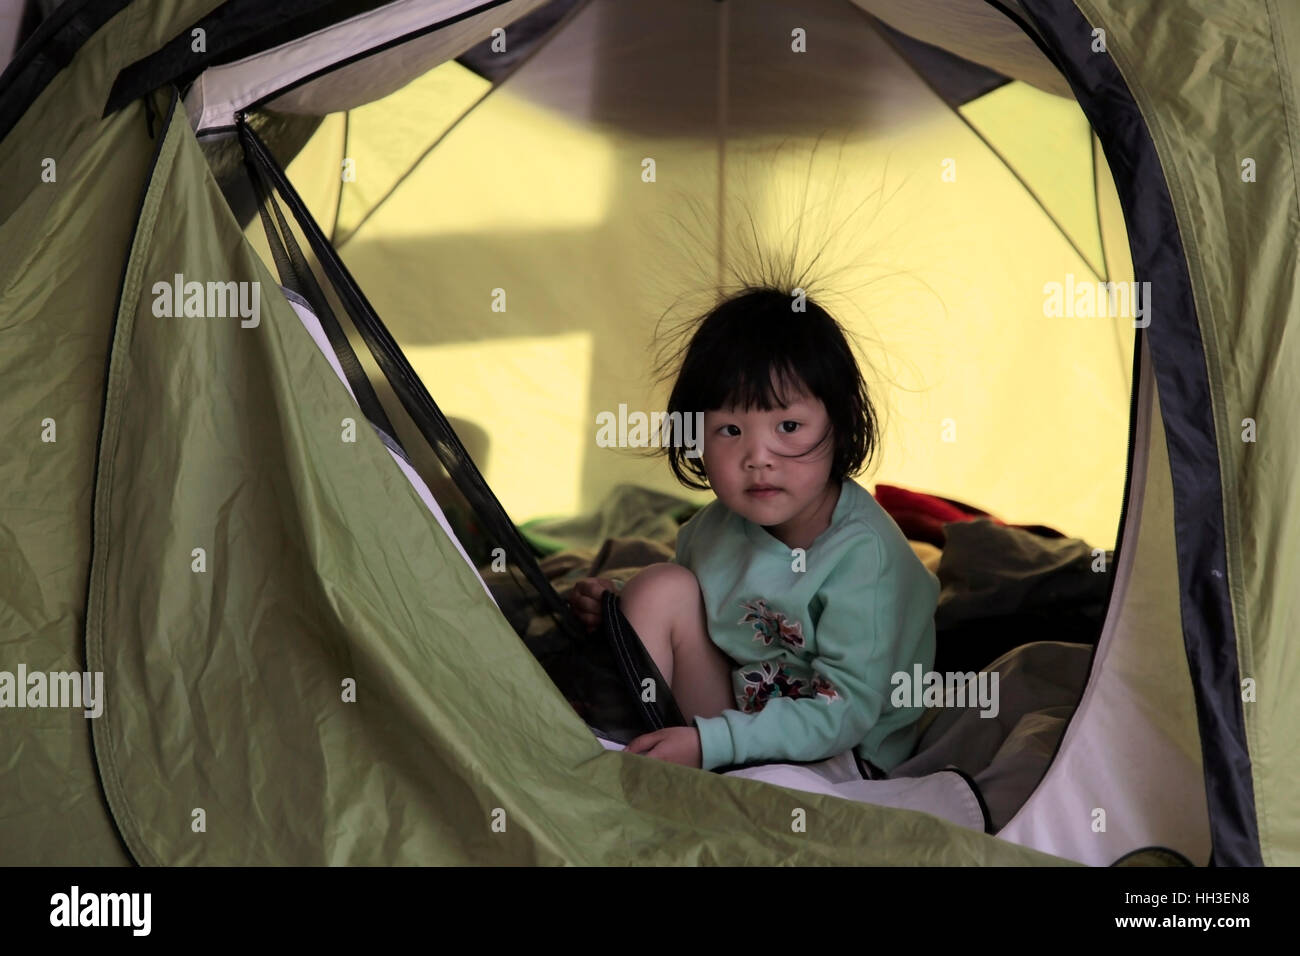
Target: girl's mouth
(762,491)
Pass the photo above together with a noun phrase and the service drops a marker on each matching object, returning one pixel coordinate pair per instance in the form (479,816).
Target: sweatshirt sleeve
(858,640)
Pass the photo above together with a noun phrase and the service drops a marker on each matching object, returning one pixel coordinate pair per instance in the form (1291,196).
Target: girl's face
(768,466)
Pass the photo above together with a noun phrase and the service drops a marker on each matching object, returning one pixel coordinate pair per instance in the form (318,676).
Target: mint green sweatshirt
(817,637)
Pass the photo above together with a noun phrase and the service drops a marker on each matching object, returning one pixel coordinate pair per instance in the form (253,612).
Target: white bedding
(944,794)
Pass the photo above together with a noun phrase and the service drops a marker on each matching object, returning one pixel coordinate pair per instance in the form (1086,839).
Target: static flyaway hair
(759,328)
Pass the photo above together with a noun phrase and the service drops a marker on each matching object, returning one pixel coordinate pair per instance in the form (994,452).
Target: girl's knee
(662,582)
(658,592)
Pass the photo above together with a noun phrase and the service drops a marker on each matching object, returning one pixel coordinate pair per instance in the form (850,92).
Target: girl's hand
(673,744)
(585,599)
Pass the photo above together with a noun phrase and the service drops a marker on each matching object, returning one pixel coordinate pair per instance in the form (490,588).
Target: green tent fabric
(326,681)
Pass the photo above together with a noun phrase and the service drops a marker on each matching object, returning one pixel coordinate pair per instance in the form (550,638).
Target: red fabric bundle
(921,517)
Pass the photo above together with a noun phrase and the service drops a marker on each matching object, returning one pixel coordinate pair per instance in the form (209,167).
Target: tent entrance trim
(1179,362)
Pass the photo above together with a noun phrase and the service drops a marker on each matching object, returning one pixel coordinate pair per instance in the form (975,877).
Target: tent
(304,663)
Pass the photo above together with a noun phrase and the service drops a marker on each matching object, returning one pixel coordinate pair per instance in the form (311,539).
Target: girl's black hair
(753,350)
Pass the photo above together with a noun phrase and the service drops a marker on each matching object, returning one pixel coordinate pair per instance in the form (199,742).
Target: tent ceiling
(976,31)
(981,31)
(364,58)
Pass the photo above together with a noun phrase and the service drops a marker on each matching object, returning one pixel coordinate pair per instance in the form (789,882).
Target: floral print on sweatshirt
(767,679)
(771,625)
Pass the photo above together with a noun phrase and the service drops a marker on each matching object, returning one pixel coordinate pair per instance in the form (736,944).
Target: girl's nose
(757,456)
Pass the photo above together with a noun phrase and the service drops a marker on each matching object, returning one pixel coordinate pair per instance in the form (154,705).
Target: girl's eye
(789,431)
(724,431)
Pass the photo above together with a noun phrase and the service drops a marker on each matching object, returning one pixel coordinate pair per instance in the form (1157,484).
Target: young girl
(793,598)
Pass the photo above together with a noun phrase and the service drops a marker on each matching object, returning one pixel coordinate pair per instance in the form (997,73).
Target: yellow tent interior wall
(520,257)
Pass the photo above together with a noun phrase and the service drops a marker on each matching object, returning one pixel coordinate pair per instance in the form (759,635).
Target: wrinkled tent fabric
(324,565)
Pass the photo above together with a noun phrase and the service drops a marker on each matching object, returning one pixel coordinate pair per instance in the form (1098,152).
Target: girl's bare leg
(664,605)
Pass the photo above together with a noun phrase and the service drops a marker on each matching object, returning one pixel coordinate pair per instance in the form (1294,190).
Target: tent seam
(124,328)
